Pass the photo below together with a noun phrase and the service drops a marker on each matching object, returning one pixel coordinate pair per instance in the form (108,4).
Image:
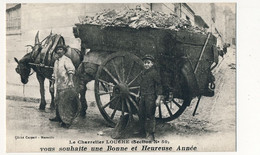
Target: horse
(42,64)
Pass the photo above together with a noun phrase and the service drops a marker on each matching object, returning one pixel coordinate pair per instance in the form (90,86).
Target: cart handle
(201,53)
(195,70)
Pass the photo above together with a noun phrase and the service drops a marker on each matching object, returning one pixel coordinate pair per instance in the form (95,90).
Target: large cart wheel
(171,109)
(117,86)
(174,104)
(117,90)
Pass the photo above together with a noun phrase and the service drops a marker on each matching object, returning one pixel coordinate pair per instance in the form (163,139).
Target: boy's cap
(64,47)
(148,57)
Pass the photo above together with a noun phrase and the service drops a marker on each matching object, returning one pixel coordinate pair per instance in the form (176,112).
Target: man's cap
(148,57)
(64,47)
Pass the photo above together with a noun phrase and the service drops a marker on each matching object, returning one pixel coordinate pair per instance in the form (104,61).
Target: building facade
(25,19)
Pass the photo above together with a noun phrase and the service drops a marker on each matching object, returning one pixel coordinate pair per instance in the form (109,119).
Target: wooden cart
(184,60)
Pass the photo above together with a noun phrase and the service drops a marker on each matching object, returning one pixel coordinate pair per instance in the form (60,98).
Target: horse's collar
(32,57)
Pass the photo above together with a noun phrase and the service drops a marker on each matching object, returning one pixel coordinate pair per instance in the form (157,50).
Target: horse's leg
(52,106)
(83,101)
(41,81)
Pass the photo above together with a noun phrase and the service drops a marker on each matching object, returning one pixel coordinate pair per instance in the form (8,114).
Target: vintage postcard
(121,77)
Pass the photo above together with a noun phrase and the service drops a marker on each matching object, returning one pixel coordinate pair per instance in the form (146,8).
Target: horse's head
(23,68)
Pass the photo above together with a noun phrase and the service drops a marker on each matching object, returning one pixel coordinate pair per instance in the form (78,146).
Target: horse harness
(46,53)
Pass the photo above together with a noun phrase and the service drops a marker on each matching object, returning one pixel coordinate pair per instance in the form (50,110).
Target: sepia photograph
(121,77)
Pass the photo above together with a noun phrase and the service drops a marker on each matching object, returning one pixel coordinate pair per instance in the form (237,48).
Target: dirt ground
(213,128)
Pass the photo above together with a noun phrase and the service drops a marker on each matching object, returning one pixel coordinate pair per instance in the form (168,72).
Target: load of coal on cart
(140,18)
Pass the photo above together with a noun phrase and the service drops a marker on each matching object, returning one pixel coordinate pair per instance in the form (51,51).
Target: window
(13,18)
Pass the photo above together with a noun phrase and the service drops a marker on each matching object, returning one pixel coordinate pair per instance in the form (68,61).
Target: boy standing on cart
(151,96)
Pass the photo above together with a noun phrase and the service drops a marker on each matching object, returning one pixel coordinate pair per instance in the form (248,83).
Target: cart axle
(121,89)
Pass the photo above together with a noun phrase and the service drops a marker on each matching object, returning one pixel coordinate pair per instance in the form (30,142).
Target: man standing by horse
(63,73)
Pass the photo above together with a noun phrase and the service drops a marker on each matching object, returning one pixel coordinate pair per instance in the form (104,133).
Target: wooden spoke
(134,103)
(135,95)
(103,107)
(103,81)
(104,93)
(123,108)
(160,111)
(170,104)
(129,73)
(105,69)
(135,78)
(117,73)
(128,107)
(138,92)
(114,112)
(105,88)
(169,110)
(129,124)
(123,68)
(136,87)
(176,103)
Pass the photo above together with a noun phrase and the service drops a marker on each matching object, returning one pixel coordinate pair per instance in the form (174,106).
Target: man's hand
(70,84)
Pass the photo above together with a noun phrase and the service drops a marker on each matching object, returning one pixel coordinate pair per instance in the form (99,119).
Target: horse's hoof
(64,125)
(52,108)
(42,107)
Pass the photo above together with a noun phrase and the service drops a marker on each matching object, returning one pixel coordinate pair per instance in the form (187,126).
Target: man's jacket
(151,82)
